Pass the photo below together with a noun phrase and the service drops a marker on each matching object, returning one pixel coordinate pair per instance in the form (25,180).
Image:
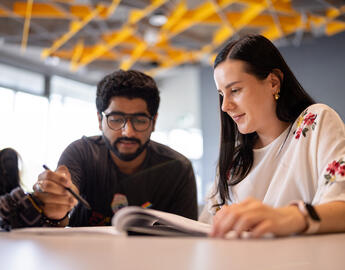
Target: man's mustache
(120,139)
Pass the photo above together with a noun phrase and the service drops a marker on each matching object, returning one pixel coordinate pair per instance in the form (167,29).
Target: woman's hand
(254,216)
(50,189)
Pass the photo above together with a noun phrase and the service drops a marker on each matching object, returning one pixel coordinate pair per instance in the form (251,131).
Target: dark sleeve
(72,157)
(185,203)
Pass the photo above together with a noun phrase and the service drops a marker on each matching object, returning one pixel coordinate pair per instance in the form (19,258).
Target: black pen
(78,197)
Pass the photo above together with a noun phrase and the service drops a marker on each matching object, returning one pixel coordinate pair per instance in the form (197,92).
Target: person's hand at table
(50,189)
(254,216)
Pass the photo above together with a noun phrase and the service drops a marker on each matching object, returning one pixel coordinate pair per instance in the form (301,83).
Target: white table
(101,251)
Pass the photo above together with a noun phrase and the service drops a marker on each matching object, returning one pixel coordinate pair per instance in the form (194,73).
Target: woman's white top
(306,162)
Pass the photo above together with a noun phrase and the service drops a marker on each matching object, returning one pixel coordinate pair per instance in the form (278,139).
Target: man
(121,167)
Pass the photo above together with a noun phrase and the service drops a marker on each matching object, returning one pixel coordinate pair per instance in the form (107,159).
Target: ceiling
(86,39)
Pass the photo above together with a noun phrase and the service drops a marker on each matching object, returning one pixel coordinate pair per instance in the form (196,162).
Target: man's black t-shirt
(165,180)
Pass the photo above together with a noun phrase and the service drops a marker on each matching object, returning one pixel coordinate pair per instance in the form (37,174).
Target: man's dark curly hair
(129,84)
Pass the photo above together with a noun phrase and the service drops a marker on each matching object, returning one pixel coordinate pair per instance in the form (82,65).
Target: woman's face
(247,100)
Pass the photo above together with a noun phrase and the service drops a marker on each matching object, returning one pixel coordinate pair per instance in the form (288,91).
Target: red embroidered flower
(309,119)
(341,170)
(305,123)
(336,167)
(298,133)
(333,167)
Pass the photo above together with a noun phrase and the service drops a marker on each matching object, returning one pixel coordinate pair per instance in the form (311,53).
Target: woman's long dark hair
(9,171)
(236,149)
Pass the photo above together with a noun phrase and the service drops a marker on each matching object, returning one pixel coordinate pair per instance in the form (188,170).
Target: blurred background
(53,53)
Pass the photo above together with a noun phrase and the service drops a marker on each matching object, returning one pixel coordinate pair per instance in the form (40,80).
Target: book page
(133,219)
(136,216)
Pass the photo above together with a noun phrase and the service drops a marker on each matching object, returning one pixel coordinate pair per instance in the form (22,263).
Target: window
(40,129)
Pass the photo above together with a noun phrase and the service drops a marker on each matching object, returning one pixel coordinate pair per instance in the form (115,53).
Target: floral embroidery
(304,123)
(334,168)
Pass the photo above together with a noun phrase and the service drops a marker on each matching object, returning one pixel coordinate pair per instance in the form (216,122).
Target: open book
(135,220)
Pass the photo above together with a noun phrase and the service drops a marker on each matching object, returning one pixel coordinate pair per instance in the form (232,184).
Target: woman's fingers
(223,223)
(250,215)
(227,218)
(247,221)
(262,228)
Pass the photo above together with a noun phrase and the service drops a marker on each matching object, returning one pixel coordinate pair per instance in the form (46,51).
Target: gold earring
(276,96)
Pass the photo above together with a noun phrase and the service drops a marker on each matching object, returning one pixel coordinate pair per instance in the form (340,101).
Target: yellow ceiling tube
(190,19)
(150,54)
(102,48)
(75,26)
(175,57)
(137,14)
(111,9)
(137,52)
(66,14)
(3,13)
(283,25)
(334,27)
(141,47)
(249,14)
(225,32)
(124,33)
(179,11)
(26,27)
(39,10)
(193,17)
(77,53)
(175,16)
(284,7)
(53,11)
(203,12)
(68,54)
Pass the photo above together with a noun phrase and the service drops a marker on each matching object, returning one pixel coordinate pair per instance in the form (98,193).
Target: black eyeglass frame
(128,116)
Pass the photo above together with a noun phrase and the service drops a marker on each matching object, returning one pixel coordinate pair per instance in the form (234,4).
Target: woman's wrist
(294,221)
(299,219)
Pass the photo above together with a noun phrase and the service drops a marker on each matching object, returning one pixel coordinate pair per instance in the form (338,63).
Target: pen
(77,196)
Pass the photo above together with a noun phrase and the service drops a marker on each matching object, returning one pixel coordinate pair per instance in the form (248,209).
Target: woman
(281,165)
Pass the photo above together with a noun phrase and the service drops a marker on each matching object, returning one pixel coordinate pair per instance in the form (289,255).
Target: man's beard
(125,157)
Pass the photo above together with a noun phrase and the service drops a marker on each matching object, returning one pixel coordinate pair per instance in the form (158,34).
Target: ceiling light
(157,19)
(52,61)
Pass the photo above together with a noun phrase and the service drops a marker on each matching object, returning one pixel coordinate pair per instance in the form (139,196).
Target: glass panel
(69,120)
(20,79)
(29,134)
(6,113)
(74,89)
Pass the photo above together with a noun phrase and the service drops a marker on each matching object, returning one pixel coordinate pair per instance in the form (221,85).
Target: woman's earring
(276,96)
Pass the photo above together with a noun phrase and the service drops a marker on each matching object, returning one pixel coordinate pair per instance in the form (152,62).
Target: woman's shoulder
(318,108)
(315,116)
(316,112)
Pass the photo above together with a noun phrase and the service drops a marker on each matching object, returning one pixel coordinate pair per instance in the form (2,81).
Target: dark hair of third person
(261,58)
(9,171)
(129,84)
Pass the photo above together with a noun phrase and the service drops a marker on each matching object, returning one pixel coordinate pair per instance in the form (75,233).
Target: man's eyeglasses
(116,121)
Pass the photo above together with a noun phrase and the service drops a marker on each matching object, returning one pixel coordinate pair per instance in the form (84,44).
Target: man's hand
(254,216)
(50,189)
